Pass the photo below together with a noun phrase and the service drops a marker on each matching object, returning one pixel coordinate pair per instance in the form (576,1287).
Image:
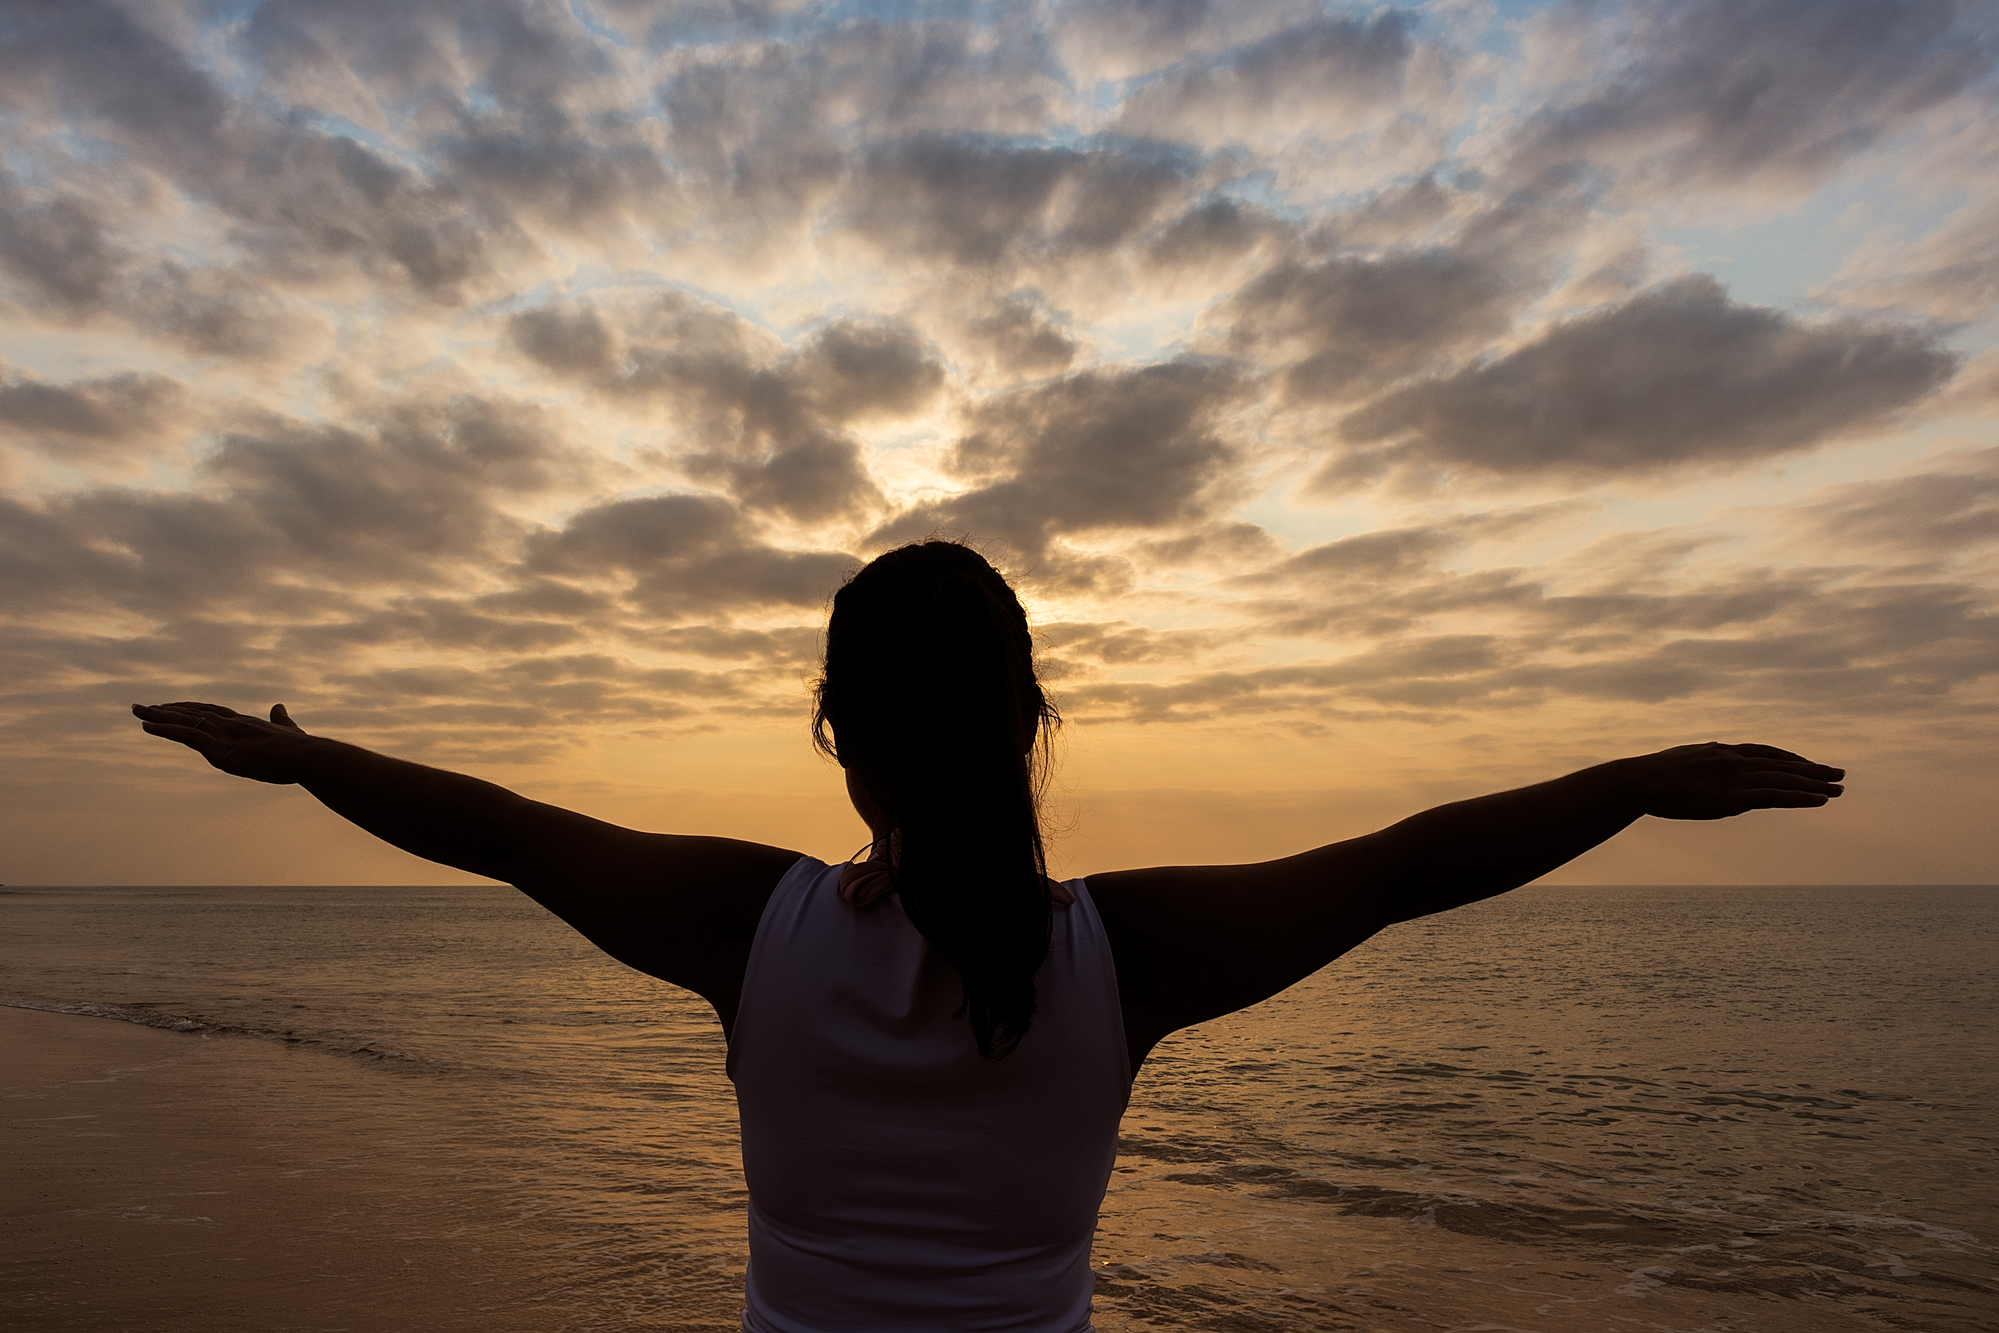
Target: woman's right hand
(248,747)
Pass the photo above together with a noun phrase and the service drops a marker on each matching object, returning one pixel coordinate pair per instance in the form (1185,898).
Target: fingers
(1805,768)
(212,717)
(1790,763)
(1768,752)
(172,723)
(1770,798)
(215,709)
(179,715)
(1793,782)
(192,738)
(242,744)
(1718,779)
(165,713)
(202,728)
(185,714)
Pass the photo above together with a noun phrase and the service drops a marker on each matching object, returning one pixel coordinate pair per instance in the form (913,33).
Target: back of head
(929,697)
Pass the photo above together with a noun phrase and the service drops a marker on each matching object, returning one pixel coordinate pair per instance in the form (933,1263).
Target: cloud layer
(449,367)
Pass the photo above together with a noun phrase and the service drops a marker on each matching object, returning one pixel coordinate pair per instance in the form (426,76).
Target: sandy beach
(162,1180)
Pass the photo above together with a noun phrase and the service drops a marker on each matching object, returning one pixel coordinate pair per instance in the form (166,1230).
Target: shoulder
(1192,943)
(681,908)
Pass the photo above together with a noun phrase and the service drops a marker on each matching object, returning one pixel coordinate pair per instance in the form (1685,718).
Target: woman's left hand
(234,742)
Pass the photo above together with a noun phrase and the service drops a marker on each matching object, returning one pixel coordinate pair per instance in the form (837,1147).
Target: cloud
(769,423)
(47,566)
(776,101)
(410,501)
(567,178)
(1392,581)
(56,249)
(574,340)
(1373,556)
(1774,95)
(684,556)
(1346,326)
(301,206)
(1018,338)
(312,557)
(480,361)
(1318,78)
(794,646)
(1952,273)
(1221,543)
(1109,450)
(357,58)
(1119,39)
(540,691)
(422,486)
(1677,376)
(1213,232)
(1851,648)
(768,135)
(1067,649)
(1930,517)
(433,624)
(1623,619)
(214,311)
(1388,551)
(61,259)
(87,420)
(1417,674)
(979,202)
(852,370)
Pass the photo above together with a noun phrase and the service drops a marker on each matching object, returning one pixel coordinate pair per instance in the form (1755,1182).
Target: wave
(143,1017)
(169,1022)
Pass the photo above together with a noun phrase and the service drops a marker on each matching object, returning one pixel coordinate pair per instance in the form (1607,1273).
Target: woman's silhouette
(931,1047)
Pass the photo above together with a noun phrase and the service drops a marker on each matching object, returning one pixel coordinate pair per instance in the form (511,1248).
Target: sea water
(1567,1108)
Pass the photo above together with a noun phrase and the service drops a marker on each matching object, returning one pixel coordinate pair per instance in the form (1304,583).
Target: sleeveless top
(899,1182)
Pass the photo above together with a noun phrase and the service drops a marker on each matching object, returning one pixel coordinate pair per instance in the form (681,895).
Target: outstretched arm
(684,909)
(1196,942)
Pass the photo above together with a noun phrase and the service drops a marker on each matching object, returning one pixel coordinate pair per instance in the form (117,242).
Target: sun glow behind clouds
(1375,405)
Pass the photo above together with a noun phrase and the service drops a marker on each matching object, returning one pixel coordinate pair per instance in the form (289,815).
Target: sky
(1374,406)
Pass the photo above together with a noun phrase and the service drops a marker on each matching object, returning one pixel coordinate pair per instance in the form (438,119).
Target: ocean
(1738,1109)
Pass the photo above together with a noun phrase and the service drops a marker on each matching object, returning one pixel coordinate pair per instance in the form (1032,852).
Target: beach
(1748,1110)
(157,1179)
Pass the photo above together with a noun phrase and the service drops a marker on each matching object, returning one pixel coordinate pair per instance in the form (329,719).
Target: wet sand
(167,1181)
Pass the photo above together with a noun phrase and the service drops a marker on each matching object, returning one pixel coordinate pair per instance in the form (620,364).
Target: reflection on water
(1741,1109)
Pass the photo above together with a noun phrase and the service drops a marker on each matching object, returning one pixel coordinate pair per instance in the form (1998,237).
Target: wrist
(318,757)
(1621,787)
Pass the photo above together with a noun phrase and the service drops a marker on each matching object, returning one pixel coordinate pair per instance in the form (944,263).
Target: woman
(932,1046)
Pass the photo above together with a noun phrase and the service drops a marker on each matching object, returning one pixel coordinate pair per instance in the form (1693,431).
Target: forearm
(1194,942)
(1469,850)
(441,816)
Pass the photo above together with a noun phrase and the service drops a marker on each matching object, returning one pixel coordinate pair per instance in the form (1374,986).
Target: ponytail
(929,696)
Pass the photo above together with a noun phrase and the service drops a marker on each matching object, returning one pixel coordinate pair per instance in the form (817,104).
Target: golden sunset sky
(1374,405)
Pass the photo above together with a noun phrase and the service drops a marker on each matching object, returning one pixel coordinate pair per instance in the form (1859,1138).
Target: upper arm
(1196,942)
(681,908)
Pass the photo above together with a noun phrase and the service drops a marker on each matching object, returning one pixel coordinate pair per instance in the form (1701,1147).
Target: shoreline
(167,1180)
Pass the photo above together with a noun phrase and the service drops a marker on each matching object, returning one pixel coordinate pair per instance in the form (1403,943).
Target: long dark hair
(929,697)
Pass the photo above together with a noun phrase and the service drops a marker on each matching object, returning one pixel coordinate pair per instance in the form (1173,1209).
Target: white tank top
(900,1183)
